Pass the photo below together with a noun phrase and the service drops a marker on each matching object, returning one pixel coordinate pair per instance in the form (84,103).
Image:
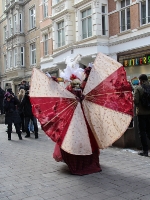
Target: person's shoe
(20,138)
(143,154)
(9,138)
(27,136)
(36,137)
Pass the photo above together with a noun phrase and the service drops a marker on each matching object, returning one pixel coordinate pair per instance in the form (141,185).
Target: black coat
(11,112)
(2,92)
(26,106)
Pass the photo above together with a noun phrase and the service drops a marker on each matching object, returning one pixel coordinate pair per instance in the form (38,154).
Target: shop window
(86,19)
(145,12)
(125,15)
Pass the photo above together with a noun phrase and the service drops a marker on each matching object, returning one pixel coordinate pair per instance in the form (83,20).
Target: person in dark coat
(2,92)
(27,109)
(143,114)
(11,114)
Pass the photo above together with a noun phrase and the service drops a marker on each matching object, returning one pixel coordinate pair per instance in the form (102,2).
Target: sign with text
(137,61)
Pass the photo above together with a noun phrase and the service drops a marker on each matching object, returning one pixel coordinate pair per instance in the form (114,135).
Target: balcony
(11,3)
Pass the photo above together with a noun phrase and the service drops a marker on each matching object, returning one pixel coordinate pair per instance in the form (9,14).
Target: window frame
(86,19)
(5,62)
(32,18)
(10,26)
(20,23)
(5,33)
(45,8)
(46,52)
(125,8)
(15,23)
(61,33)
(33,52)
(15,57)
(147,14)
(104,25)
(22,56)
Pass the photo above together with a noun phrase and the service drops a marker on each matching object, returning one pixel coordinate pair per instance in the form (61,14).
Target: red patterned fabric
(114,92)
(54,114)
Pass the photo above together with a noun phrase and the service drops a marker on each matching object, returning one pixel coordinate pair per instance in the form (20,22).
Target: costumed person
(81,164)
(91,113)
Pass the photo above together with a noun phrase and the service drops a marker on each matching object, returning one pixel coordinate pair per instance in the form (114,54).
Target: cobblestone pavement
(28,172)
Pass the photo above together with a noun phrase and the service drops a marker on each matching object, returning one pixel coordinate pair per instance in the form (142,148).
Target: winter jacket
(26,106)
(2,92)
(138,92)
(11,112)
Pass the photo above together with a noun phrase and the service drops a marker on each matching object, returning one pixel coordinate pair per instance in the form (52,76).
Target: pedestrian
(27,108)
(11,114)
(142,113)
(20,98)
(2,93)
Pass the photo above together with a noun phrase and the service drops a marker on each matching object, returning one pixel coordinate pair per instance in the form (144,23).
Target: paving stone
(29,172)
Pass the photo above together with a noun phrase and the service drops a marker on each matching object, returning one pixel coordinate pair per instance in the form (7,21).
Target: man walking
(142,113)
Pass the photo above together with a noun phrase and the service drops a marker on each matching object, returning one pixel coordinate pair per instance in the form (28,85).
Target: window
(9,59)
(145,12)
(5,61)
(15,24)
(15,57)
(45,8)
(22,56)
(61,34)
(5,32)
(33,54)
(32,18)
(86,23)
(125,15)
(10,27)
(46,44)
(20,23)
(104,14)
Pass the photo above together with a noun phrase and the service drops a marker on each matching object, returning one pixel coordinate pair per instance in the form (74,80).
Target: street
(29,172)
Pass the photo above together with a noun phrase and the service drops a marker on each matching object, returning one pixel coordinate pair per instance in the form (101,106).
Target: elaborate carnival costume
(90,114)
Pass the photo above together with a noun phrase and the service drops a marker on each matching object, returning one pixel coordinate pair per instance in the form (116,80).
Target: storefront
(136,63)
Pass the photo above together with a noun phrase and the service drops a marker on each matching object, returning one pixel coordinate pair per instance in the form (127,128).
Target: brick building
(43,33)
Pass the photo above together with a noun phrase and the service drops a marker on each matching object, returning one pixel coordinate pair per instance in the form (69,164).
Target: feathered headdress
(72,71)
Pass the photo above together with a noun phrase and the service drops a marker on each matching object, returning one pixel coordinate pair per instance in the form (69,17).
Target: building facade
(42,33)
(20,41)
(118,28)
(129,35)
